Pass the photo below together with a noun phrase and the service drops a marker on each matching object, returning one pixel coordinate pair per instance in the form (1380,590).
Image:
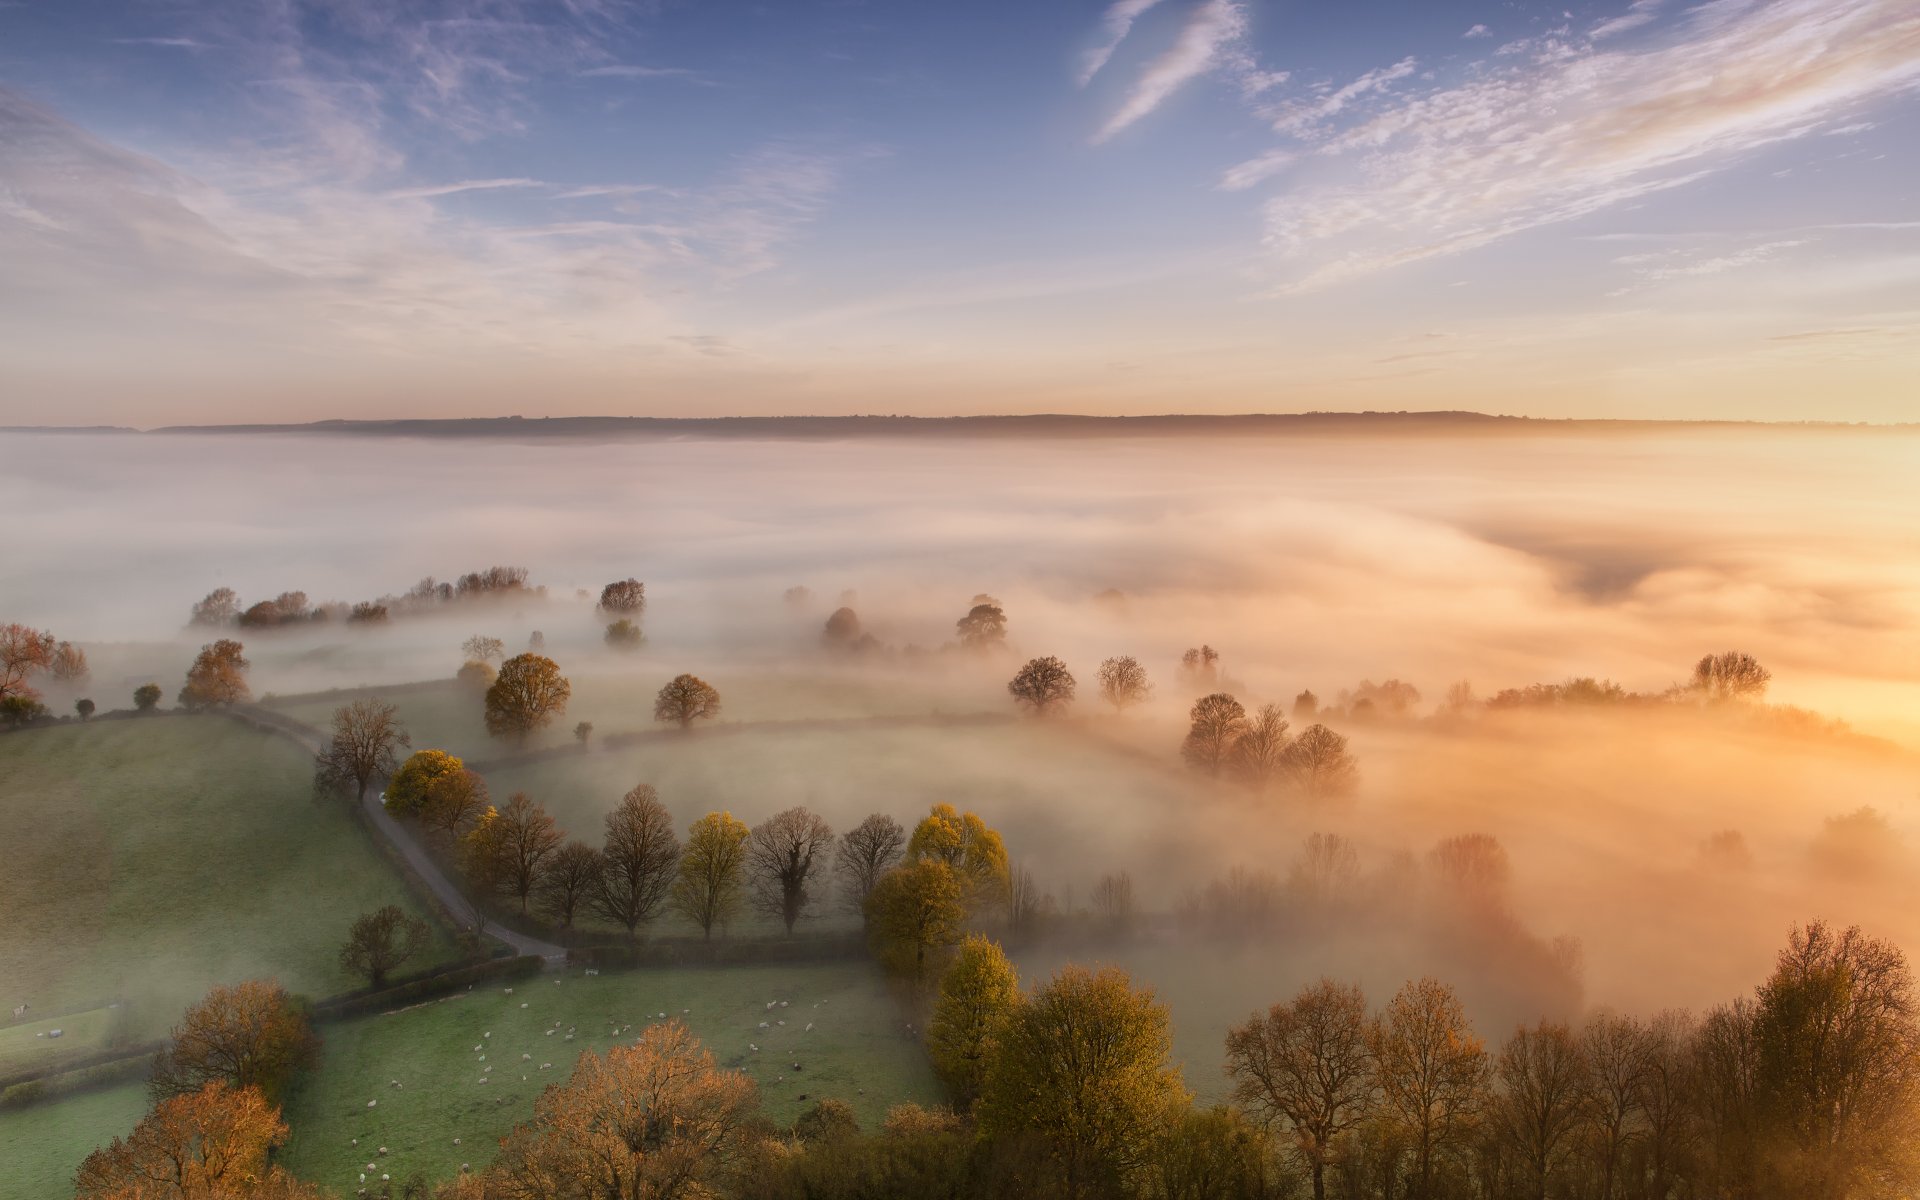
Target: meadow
(423,1067)
(45,1143)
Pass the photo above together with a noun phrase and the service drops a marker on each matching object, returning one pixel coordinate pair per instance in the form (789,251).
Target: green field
(45,1144)
(858,1051)
(153,858)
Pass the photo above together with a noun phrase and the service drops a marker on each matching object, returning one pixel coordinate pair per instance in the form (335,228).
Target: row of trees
(222,607)
(27,655)
(1223,739)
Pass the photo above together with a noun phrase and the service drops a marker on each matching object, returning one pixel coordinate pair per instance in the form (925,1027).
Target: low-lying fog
(1311,563)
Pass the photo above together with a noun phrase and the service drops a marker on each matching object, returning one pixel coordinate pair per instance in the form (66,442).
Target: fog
(1310,563)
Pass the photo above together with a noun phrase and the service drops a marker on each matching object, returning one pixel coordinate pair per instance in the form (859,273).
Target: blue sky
(280,209)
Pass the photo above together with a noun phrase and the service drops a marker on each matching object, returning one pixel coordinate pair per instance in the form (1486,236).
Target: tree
(453,801)
(221,606)
(866,852)
(146,697)
(480,648)
(842,630)
(915,911)
(797,596)
(84,707)
(1620,1056)
(366,735)
(1306,706)
(977,992)
(24,652)
(624,635)
(475,675)
(1306,1064)
(639,860)
(1259,754)
(1730,676)
(1043,685)
(984,627)
(785,853)
(249,1035)
(1319,765)
(380,941)
(20,710)
(707,890)
(526,835)
(1113,900)
(582,732)
(653,1120)
(568,881)
(1543,1077)
(1432,1074)
(828,1122)
(69,663)
(1327,868)
(368,613)
(529,693)
(410,786)
(218,676)
(1473,867)
(208,1144)
(1084,1065)
(625,598)
(1124,683)
(963,842)
(1217,722)
(1200,666)
(686,699)
(482,861)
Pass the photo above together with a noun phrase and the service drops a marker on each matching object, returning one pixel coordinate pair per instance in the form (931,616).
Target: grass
(858,1051)
(29,1042)
(45,1144)
(153,858)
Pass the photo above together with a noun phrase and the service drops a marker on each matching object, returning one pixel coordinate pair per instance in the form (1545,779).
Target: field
(858,1051)
(152,858)
(45,1144)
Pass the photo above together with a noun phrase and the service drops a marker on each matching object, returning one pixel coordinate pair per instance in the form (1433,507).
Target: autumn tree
(656,1119)
(1042,686)
(221,606)
(1124,683)
(211,1143)
(978,991)
(639,860)
(366,734)
(984,627)
(686,699)
(84,707)
(249,1035)
(624,635)
(963,842)
(24,653)
(624,598)
(1730,676)
(146,697)
(785,854)
(1217,721)
(69,663)
(915,912)
(865,853)
(218,676)
(1320,765)
(1621,1057)
(1432,1073)
(481,648)
(1541,1102)
(476,676)
(567,882)
(380,942)
(453,801)
(1306,1066)
(712,866)
(1085,1066)
(1259,754)
(481,857)
(528,694)
(410,786)
(525,836)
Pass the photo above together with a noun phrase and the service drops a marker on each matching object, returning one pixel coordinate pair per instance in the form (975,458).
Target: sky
(289,210)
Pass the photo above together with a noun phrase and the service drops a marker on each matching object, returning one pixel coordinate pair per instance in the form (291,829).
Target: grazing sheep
(371,1103)
(764,1025)
(383,1149)
(456,1141)
(809,1028)
(779,1022)
(523,1004)
(783,1004)
(753,1047)
(509,991)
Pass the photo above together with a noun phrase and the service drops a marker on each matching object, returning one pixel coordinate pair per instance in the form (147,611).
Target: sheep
(764,1025)
(779,1022)
(509,991)
(753,1047)
(456,1141)
(783,1004)
(371,1103)
(526,1058)
(523,1004)
(809,1028)
(383,1149)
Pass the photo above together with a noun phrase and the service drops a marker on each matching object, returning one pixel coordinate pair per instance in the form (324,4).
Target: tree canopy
(528,694)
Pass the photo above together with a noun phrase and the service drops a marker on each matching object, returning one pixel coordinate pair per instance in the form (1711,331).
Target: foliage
(627,597)
(20,710)
(915,911)
(208,1144)
(380,942)
(1124,683)
(624,635)
(410,786)
(249,1035)
(476,675)
(453,801)
(963,842)
(686,699)
(826,1122)
(1432,1073)
(785,853)
(1320,765)
(221,606)
(218,676)
(842,631)
(1043,685)
(639,860)
(582,732)
(69,663)
(1217,720)
(1306,1066)
(146,697)
(977,992)
(84,707)
(707,888)
(984,627)
(528,694)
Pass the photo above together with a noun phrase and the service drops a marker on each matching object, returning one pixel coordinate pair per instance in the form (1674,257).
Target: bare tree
(1025,905)
(381,941)
(1200,666)
(221,606)
(639,859)
(1620,1056)
(1307,1064)
(626,598)
(69,663)
(985,625)
(367,735)
(1043,685)
(527,835)
(1730,676)
(1124,683)
(480,648)
(454,801)
(1473,866)
(1432,1073)
(866,852)
(1543,1077)
(1259,754)
(1218,720)
(785,853)
(567,880)
(1113,901)
(686,699)
(1320,765)
(1327,868)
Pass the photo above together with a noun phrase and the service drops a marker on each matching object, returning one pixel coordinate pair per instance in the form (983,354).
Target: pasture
(45,1143)
(152,858)
(423,1068)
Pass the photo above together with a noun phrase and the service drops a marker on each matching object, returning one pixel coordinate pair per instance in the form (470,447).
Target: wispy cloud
(464,185)
(1669,265)
(1478,31)
(1211,29)
(1114,27)
(182,43)
(1640,12)
(1302,118)
(631,71)
(1567,128)
(1257,170)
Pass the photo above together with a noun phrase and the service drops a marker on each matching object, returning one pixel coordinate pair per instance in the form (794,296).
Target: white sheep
(509,991)
(371,1103)
(753,1047)
(809,1028)
(779,1022)
(764,1025)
